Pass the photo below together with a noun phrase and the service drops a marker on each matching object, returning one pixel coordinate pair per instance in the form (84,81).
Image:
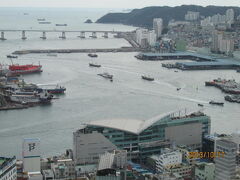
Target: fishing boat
(94,65)
(216,103)
(106,75)
(147,78)
(16,69)
(61,24)
(11,56)
(51,88)
(92,55)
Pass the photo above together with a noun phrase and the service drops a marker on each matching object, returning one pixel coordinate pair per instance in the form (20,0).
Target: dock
(198,61)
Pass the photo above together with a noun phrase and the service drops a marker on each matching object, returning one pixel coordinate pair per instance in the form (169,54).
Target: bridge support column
(2,36)
(94,35)
(105,35)
(24,35)
(82,35)
(43,35)
(63,35)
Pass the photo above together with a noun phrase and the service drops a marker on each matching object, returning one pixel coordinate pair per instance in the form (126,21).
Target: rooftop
(137,126)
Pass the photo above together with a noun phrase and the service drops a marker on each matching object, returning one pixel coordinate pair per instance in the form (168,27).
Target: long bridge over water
(82,33)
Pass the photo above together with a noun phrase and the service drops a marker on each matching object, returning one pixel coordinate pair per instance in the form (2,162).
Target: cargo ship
(17,69)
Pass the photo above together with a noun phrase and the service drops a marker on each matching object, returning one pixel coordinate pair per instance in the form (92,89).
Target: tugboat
(92,55)
(11,56)
(147,78)
(216,103)
(94,65)
(106,75)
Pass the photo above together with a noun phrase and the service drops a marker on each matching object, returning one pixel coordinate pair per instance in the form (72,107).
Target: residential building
(63,169)
(184,170)
(168,160)
(192,16)
(8,169)
(143,138)
(158,26)
(31,155)
(142,37)
(87,146)
(230,15)
(225,164)
(152,38)
(204,171)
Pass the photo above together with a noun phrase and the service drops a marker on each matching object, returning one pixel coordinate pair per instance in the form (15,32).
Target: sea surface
(90,97)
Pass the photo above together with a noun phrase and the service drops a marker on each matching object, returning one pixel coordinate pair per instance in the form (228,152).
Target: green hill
(144,17)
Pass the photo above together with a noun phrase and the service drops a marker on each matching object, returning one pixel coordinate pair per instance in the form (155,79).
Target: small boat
(92,55)
(201,105)
(106,75)
(41,19)
(147,78)
(175,71)
(178,89)
(43,22)
(216,103)
(238,70)
(11,56)
(94,65)
(61,24)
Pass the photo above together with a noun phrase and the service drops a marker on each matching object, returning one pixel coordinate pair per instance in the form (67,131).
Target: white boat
(39,98)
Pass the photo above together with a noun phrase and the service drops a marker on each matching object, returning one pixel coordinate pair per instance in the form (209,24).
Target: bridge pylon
(43,35)
(82,35)
(63,35)
(24,35)
(2,36)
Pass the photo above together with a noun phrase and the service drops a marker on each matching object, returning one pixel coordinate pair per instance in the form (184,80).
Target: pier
(43,33)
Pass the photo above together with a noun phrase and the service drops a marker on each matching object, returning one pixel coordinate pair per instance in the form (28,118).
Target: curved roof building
(146,137)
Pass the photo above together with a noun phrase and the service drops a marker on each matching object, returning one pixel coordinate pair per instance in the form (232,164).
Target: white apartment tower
(158,26)
(230,15)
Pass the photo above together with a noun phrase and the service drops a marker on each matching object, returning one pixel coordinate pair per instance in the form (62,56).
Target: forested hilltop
(143,17)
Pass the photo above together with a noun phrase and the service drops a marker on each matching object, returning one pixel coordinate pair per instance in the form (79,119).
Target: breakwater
(110,50)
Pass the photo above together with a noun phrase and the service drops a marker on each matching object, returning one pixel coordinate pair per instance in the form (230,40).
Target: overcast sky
(112,3)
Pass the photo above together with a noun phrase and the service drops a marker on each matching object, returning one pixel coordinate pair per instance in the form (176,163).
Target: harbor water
(91,97)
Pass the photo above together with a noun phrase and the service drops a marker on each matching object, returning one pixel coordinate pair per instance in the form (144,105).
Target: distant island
(144,17)
(89,21)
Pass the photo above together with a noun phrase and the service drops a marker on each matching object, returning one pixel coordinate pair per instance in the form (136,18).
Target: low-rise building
(168,160)
(204,171)
(63,169)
